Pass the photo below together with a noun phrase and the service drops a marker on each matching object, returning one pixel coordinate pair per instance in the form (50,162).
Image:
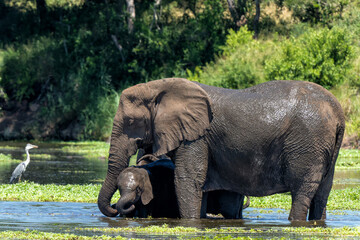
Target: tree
(256,19)
(130,8)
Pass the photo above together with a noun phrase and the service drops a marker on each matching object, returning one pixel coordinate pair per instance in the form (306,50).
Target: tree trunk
(256,19)
(42,12)
(157,9)
(131,18)
(233,11)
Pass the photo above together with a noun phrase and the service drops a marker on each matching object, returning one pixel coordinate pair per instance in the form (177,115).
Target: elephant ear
(147,194)
(182,111)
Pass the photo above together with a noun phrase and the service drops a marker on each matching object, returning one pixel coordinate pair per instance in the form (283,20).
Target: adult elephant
(279,136)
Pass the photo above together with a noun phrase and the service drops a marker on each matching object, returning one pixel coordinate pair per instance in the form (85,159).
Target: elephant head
(159,115)
(133,184)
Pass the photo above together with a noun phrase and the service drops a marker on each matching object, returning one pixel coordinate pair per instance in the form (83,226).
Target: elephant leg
(303,197)
(231,205)
(204,204)
(191,161)
(318,203)
(305,179)
(300,206)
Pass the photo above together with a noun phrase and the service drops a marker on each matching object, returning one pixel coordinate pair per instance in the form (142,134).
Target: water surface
(72,168)
(72,217)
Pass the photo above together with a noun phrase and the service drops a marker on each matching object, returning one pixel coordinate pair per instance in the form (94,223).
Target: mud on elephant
(279,136)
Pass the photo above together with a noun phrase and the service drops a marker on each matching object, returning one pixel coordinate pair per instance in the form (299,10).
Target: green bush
(349,98)
(315,11)
(240,65)
(26,68)
(320,56)
(74,63)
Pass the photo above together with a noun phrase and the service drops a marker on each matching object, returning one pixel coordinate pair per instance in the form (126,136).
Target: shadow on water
(50,164)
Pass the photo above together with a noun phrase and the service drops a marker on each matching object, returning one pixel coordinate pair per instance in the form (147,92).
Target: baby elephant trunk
(125,205)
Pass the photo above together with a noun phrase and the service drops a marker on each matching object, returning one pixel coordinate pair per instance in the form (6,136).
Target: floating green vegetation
(39,156)
(51,192)
(8,148)
(233,231)
(348,163)
(349,153)
(48,236)
(339,199)
(5,157)
(348,159)
(89,149)
(193,233)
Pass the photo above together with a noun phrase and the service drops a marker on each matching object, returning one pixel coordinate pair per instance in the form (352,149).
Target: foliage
(24,68)
(314,11)
(76,60)
(349,98)
(319,56)
(236,68)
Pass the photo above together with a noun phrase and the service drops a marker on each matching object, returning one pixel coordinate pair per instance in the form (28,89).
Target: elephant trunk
(107,191)
(121,149)
(125,205)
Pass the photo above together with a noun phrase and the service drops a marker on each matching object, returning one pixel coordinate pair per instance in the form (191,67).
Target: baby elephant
(149,190)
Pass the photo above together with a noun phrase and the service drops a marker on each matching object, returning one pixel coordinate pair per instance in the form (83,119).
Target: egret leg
(20,178)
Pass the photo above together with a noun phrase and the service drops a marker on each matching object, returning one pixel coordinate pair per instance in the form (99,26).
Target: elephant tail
(338,140)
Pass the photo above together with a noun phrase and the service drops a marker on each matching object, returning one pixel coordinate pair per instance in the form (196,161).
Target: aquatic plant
(51,192)
(5,157)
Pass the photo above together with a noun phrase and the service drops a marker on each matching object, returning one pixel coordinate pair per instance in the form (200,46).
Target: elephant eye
(138,191)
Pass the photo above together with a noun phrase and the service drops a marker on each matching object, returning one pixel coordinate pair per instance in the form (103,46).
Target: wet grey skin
(275,137)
